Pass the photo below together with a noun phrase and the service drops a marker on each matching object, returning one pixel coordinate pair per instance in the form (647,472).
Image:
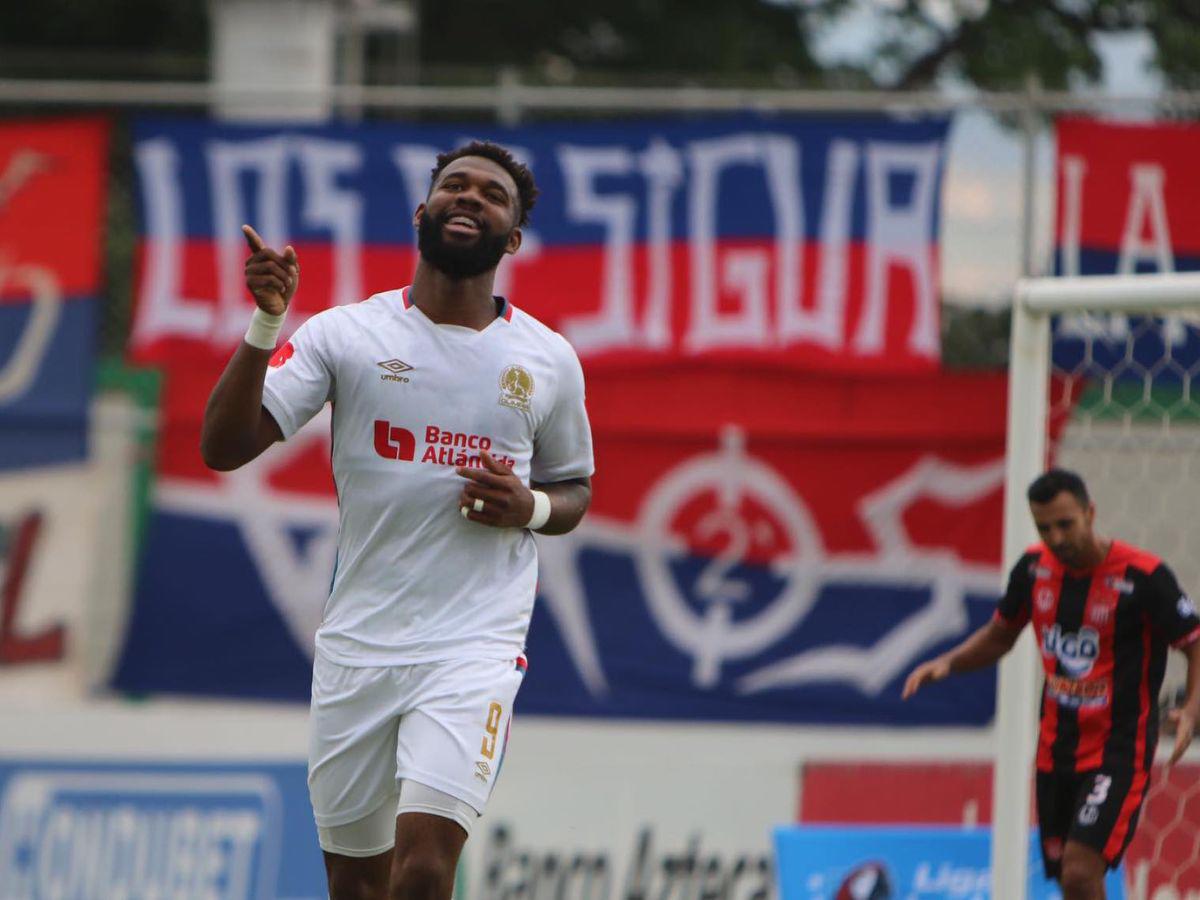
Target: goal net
(1122,387)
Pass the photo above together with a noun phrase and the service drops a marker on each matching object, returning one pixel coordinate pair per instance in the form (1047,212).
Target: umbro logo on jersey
(482,771)
(394,367)
(1120,585)
(1186,607)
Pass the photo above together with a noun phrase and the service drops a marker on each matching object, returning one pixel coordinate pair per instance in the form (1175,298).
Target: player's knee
(1079,881)
(353,884)
(421,877)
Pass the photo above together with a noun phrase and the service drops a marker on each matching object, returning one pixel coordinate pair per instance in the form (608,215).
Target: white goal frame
(1035,300)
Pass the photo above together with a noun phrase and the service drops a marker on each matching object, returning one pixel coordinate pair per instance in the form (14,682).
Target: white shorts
(442,724)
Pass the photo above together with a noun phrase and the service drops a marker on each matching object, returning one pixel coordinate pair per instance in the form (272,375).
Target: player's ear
(417,215)
(514,241)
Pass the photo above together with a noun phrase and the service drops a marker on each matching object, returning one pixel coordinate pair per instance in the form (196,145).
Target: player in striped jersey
(1104,613)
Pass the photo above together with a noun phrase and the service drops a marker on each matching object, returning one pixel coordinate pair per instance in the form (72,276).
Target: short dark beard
(458,261)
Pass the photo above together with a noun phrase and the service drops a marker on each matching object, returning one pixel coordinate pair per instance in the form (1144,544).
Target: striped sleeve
(1171,610)
(1015,607)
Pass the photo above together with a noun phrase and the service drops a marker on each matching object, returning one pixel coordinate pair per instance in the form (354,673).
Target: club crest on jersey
(516,388)
(1044,597)
(1076,651)
(1186,607)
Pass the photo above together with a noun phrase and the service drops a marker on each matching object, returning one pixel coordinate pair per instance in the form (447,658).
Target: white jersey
(415,581)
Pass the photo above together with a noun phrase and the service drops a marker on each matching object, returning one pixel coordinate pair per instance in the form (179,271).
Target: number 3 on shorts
(492,726)
(1099,790)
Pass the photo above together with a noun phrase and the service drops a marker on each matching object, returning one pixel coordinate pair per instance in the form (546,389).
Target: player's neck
(454,301)
(1098,552)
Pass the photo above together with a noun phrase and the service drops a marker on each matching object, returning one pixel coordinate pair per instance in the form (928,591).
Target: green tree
(103,38)
(702,39)
(905,43)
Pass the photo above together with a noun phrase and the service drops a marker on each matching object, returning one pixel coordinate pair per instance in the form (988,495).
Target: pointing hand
(271,277)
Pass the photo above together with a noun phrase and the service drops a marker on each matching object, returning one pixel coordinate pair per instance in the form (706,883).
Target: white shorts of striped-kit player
(443,725)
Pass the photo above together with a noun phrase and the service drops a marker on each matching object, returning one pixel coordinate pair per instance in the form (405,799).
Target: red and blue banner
(792,505)
(809,242)
(53,182)
(1126,205)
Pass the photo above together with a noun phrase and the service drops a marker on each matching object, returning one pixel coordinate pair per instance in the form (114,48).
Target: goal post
(1035,302)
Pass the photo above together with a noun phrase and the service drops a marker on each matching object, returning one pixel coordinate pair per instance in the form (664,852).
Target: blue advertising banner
(900,863)
(157,830)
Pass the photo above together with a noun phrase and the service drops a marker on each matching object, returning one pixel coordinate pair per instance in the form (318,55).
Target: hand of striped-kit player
(1185,726)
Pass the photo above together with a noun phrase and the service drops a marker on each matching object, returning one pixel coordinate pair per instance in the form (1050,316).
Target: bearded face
(459,256)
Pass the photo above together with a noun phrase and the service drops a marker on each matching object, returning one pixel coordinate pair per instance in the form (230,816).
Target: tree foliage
(905,44)
(691,38)
(998,43)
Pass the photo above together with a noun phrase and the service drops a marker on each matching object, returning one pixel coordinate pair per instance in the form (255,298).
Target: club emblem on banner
(730,563)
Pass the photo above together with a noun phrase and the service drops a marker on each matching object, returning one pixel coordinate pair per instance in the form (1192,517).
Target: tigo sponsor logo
(1077,651)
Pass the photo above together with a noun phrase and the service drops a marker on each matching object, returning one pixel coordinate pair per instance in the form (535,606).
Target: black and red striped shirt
(1103,634)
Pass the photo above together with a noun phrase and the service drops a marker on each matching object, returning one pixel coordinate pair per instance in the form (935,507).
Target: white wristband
(541,510)
(264,329)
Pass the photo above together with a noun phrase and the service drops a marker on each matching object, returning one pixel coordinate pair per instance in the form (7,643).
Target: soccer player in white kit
(458,428)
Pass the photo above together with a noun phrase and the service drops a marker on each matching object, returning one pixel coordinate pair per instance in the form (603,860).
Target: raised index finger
(256,243)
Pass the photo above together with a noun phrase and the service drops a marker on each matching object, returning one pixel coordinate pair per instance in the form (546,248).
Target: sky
(981,235)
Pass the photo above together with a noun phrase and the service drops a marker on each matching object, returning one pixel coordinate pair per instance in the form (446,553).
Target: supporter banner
(157,830)
(52,208)
(828,863)
(809,241)
(66,539)
(761,546)
(743,503)
(1126,206)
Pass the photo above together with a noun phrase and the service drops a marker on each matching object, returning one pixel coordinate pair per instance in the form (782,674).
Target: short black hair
(1053,482)
(527,190)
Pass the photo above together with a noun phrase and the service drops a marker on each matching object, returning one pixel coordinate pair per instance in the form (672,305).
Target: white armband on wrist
(541,510)
(264,329)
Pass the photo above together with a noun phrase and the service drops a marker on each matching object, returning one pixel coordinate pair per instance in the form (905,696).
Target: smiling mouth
(460,222)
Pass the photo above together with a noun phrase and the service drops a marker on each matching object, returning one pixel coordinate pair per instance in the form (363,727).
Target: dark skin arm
(509,504)
(236,427)
(983,648)
(1184,718)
